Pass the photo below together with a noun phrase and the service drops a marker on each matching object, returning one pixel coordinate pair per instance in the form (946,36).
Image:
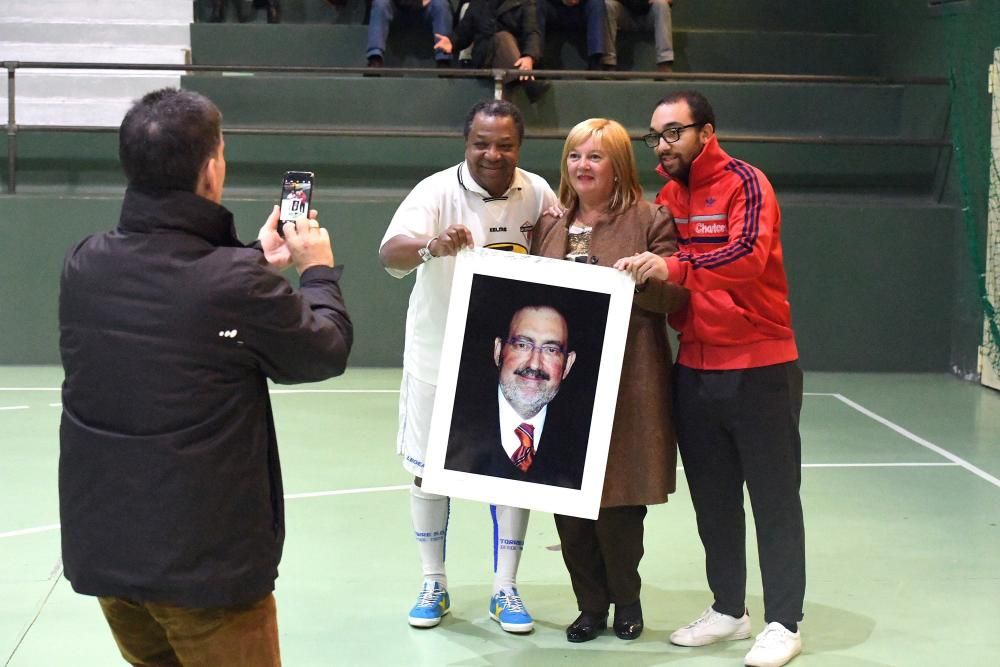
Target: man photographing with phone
(170,489)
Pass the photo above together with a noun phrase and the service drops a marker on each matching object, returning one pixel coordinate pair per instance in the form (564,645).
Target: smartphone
(296,195)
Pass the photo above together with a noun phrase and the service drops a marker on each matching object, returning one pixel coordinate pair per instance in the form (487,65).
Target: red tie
(525,454)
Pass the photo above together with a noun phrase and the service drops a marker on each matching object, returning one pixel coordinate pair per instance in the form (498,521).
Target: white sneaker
(774,647)
(712,627)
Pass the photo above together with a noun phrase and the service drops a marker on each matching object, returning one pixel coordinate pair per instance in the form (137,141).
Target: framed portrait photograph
(528,382)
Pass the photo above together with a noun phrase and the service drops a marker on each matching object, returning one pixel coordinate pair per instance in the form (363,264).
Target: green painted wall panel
(863,298)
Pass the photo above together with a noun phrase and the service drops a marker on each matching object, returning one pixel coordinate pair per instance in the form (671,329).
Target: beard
(679,171)
(528,404)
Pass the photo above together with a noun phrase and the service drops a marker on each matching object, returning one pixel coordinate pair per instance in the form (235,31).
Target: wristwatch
(425,252)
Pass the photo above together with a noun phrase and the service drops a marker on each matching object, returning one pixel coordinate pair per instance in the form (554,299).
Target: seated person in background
(635,15)
(504,34)
(217,12)
(273,8)
(576,14)
(435,13)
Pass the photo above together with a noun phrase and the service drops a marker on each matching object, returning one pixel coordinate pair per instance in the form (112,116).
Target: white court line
(402,487)
(273,391)
(926,464)
(334,391)
(29,531)
(30,389)
(955,461)
(288,496)
(15,407)
(344,492)
(979,472)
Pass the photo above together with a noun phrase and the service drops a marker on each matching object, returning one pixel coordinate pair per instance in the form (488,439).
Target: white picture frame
(487,288)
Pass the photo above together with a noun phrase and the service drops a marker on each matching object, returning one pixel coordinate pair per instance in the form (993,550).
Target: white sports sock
(510,524)
(430,526)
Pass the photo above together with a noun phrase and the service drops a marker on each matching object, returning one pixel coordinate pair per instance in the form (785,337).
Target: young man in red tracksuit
(737,386)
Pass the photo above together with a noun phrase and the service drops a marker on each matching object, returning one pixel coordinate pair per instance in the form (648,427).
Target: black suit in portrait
(474,441)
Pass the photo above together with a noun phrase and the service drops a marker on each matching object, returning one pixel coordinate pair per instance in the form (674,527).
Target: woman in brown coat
(605,219)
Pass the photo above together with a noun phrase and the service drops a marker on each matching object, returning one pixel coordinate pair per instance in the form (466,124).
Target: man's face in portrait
(533,361)
(492,151)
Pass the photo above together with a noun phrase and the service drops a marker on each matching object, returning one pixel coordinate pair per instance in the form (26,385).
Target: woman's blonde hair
(617,145)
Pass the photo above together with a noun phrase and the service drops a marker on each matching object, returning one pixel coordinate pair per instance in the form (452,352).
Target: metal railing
(497,76)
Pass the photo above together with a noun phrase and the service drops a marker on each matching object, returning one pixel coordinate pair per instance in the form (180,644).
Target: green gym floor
(900,489)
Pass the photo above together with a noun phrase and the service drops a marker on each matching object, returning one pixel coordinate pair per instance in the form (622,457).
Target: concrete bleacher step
(90,31)
(143,12)
(840,16)
(83,97)
(292,11)
(703,50)
(757,107)
(305,101)
(780,15)
(368,167)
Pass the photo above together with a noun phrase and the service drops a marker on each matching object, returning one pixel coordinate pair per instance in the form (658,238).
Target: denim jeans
(591,14)
(436,15)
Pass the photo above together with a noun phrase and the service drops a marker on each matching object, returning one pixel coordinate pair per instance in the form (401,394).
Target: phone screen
(296,195)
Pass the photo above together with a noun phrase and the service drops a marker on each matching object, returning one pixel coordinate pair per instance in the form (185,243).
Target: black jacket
(485,18)
(169,482)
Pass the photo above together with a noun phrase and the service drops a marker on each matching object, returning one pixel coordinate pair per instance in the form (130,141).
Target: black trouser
(743,426)
(603,556)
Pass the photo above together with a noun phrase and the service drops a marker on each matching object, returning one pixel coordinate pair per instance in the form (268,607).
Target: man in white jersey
(484,201)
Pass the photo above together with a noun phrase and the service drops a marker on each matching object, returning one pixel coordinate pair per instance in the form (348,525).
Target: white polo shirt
(443,199)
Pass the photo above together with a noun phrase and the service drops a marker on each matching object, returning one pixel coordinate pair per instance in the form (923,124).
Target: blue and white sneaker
(432,604)
(507,609)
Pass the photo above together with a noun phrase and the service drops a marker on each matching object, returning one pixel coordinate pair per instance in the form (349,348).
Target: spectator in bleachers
(245,10)
(273,8)
(645,15)
(217,12)
(590,15)
(503,34)
(436,14)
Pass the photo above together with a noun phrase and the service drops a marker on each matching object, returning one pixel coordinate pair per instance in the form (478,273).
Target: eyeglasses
(525,346)
(669,135)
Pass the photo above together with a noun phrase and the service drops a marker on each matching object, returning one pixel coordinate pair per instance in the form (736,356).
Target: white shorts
(416,404)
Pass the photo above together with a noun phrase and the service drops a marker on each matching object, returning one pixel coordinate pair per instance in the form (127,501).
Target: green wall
(862,297)
(959,42)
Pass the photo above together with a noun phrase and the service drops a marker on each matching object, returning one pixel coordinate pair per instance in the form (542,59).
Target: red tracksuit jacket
(728,226)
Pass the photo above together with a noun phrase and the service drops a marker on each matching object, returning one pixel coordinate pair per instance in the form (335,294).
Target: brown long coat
(642,460)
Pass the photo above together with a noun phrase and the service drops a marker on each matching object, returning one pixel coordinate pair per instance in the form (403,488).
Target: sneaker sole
(516,628)
(418,622)
(729,638)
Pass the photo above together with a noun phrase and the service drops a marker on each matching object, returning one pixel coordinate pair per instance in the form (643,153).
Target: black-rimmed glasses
(669,135)
(525,346)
